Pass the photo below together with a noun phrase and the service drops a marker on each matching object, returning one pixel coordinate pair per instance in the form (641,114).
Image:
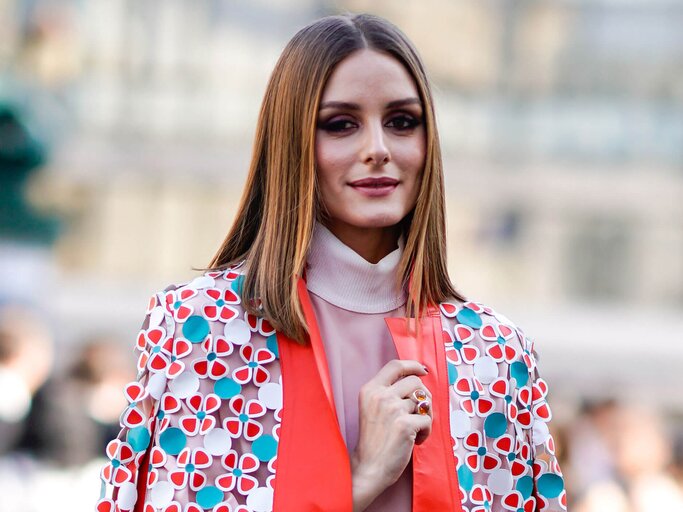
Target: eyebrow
(355,106)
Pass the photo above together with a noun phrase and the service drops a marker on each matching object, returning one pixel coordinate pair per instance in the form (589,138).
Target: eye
(403,122)
(337,125)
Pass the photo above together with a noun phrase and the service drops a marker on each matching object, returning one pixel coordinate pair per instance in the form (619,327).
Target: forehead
(369,74)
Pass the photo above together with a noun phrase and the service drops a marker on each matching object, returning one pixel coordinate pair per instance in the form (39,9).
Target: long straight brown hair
(280,203)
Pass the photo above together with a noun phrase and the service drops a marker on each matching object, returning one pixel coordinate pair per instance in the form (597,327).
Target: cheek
(333,160)
(411,159)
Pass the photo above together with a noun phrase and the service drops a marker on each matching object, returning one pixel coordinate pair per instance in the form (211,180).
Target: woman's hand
(390,426)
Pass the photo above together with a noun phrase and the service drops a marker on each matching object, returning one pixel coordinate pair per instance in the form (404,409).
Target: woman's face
(370,143)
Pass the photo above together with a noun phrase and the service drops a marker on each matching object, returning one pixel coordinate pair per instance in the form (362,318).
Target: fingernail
(426,369)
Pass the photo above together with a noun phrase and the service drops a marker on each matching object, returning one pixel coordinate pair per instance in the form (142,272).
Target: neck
(372,244)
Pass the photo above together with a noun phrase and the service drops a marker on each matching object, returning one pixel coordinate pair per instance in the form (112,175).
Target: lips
(375,182)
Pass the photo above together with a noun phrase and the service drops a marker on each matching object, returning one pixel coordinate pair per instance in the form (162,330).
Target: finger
(407,385)
(408,405)
(426,427)
(397,369)
(416,427)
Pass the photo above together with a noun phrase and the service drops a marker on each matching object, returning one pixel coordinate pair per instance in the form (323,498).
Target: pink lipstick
(375,187)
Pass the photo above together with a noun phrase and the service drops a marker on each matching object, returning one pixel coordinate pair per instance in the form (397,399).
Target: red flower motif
(166,353)
(524,417)
(238,476)
(457,348)
(243,423)
(219,308)
(167,404)
(501,388)
(175,303)
(474,403)
(157,459)
(511,450)
(481,495)
(133,416)
(478,308)
(515,501)
(540,407)
(120,468)
(201,421)
(449,309)
(254,369)
(190,461)
(500,350)
(479,456)
(213,365)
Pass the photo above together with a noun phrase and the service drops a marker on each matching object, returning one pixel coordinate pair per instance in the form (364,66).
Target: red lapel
(435,480)
(313,467)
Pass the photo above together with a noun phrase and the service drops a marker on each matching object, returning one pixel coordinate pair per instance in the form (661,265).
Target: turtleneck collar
(339,275)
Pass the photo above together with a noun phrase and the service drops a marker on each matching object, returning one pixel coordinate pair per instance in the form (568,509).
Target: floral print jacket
(207,425)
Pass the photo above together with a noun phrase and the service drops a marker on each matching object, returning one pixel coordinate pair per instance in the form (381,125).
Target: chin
(377,221)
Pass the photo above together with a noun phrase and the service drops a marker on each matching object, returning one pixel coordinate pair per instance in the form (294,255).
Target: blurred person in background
(26,359)
(76,413)
(337,248)
(591,445)
(620,460)
(644,452)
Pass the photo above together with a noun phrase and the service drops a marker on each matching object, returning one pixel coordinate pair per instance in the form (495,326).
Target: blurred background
(125,134)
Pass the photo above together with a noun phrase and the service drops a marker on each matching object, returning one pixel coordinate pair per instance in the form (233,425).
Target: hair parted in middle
(274,224)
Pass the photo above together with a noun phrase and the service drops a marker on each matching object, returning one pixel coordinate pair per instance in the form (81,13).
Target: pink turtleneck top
(351,298)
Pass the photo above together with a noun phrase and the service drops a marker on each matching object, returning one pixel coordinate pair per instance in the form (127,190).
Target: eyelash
(408,122)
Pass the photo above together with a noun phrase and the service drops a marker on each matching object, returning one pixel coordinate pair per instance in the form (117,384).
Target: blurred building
(562,127)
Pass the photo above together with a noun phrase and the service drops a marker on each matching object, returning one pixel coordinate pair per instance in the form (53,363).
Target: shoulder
(467,320)
(201,326)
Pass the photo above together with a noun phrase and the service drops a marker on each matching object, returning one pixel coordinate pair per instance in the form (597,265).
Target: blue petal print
(196,328)
(550,485)
(138,438)
(520,373)
(265,447)
(209,496)
(468,317)
(172,440)
(495,424)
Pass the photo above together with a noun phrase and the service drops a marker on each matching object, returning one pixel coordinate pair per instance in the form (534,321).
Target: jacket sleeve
(122,473)
(535,414)
(201,428)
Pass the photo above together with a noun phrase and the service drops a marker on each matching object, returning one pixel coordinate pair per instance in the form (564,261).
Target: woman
(326,362)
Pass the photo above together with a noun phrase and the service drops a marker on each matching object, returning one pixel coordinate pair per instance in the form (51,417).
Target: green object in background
(20,155)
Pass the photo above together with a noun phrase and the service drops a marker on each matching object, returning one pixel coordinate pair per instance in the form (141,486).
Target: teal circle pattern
(172,440)
(227,388)
(452,373)
(550,485)
(264,447)
(196,328)
(271,344)
(138,438)
(519,372)
(470,318)
(209,496)
(525,486)
(465,477)
(237,284)
(495,424)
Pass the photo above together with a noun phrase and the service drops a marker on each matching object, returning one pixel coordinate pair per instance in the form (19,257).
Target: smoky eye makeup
(336,124)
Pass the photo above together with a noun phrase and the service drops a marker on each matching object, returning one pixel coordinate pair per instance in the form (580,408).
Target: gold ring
(423,407)
(419,395)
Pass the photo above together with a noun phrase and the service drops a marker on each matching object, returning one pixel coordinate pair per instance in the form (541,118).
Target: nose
(375,150)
